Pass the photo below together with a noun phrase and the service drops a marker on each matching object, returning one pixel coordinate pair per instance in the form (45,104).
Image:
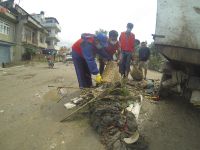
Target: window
(48,42)
(4,28)
(34,37)
(42,38)
(28,34)
(49,21)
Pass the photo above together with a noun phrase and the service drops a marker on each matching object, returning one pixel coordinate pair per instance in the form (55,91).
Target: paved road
(29,114)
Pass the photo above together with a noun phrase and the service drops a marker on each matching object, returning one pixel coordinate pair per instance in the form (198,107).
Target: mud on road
(30,114)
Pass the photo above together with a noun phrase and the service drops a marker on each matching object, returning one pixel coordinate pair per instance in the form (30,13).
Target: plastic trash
(69,105)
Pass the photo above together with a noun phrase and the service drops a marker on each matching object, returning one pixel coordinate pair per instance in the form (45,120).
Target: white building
(53,28)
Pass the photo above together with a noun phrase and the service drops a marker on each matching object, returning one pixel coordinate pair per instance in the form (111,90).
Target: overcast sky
(81,16)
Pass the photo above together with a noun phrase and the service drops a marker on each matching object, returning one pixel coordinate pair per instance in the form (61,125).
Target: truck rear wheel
(167,74)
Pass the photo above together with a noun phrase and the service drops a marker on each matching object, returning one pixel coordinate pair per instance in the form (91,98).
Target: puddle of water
(52,95)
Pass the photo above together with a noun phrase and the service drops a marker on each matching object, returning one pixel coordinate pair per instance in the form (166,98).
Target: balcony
(52,25)
(53,35)
(53,47)
(29,41)
(42,45)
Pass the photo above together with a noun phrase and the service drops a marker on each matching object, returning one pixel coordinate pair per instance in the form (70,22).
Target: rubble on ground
(112,116)
(114,109)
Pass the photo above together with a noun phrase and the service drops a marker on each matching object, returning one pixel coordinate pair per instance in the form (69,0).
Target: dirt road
(30,115)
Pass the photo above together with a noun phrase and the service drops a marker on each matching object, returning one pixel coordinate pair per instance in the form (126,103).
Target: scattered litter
(135,109)
(19,66)
(77,100)
(63,142)
(195,98)
(113,110)
(69,105)
(109,116)
(37,95)
(60,80)
(61,91)
(53,146)
(1,111)
(133,138)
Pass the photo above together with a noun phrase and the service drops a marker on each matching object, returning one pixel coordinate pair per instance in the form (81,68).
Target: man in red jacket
(127,42)
(83,55)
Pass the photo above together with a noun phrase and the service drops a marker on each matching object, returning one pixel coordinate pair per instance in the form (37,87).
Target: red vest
(77,45)
(127,43)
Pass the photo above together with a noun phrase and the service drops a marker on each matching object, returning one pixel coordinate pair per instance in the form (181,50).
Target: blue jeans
(125,64)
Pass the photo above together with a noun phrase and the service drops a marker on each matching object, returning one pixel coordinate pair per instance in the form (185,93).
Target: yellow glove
(98,79)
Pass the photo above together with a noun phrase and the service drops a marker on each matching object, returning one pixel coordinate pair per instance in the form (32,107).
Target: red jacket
(127,43)
(77,45)
(111,49)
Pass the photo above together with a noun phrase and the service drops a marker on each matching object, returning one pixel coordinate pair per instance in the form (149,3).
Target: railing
(52,25)
(42,45)
(53,35)
(53,47)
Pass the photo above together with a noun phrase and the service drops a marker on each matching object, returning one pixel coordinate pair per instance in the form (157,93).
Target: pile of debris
(114,118)
(113,112)
(113,109)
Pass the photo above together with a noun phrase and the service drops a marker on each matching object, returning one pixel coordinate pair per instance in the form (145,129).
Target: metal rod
(103,93)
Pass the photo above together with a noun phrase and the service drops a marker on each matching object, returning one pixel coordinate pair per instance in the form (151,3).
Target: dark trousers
(101,65)
(82,71)
(125,63)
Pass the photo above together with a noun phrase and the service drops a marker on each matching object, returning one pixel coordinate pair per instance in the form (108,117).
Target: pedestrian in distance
(112,49)
(83,55)
(127,43)
(50,61)
(144,54)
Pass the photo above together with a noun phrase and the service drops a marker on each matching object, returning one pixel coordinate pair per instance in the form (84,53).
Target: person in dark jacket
(83,54)
(144,54)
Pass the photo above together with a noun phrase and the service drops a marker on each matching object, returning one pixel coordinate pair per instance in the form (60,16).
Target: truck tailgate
(178,23)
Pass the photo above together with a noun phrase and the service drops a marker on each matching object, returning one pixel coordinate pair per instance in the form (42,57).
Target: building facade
(20,34)
(53,28)
(7,35)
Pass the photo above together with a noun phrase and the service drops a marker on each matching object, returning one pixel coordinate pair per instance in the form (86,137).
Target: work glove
(98,79)
(115,57)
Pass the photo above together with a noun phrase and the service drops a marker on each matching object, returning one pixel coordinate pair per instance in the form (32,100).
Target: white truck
(177,38)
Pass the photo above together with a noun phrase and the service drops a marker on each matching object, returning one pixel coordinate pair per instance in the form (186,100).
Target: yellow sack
(111,72)
(136,73)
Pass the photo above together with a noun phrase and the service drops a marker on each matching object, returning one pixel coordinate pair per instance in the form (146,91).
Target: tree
(156,59)
(64,49)
(101,31)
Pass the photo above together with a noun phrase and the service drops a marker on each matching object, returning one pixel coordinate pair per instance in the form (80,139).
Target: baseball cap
(103,39)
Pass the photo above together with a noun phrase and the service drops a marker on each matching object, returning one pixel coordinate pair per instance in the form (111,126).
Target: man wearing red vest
(127,42)
(83,55)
